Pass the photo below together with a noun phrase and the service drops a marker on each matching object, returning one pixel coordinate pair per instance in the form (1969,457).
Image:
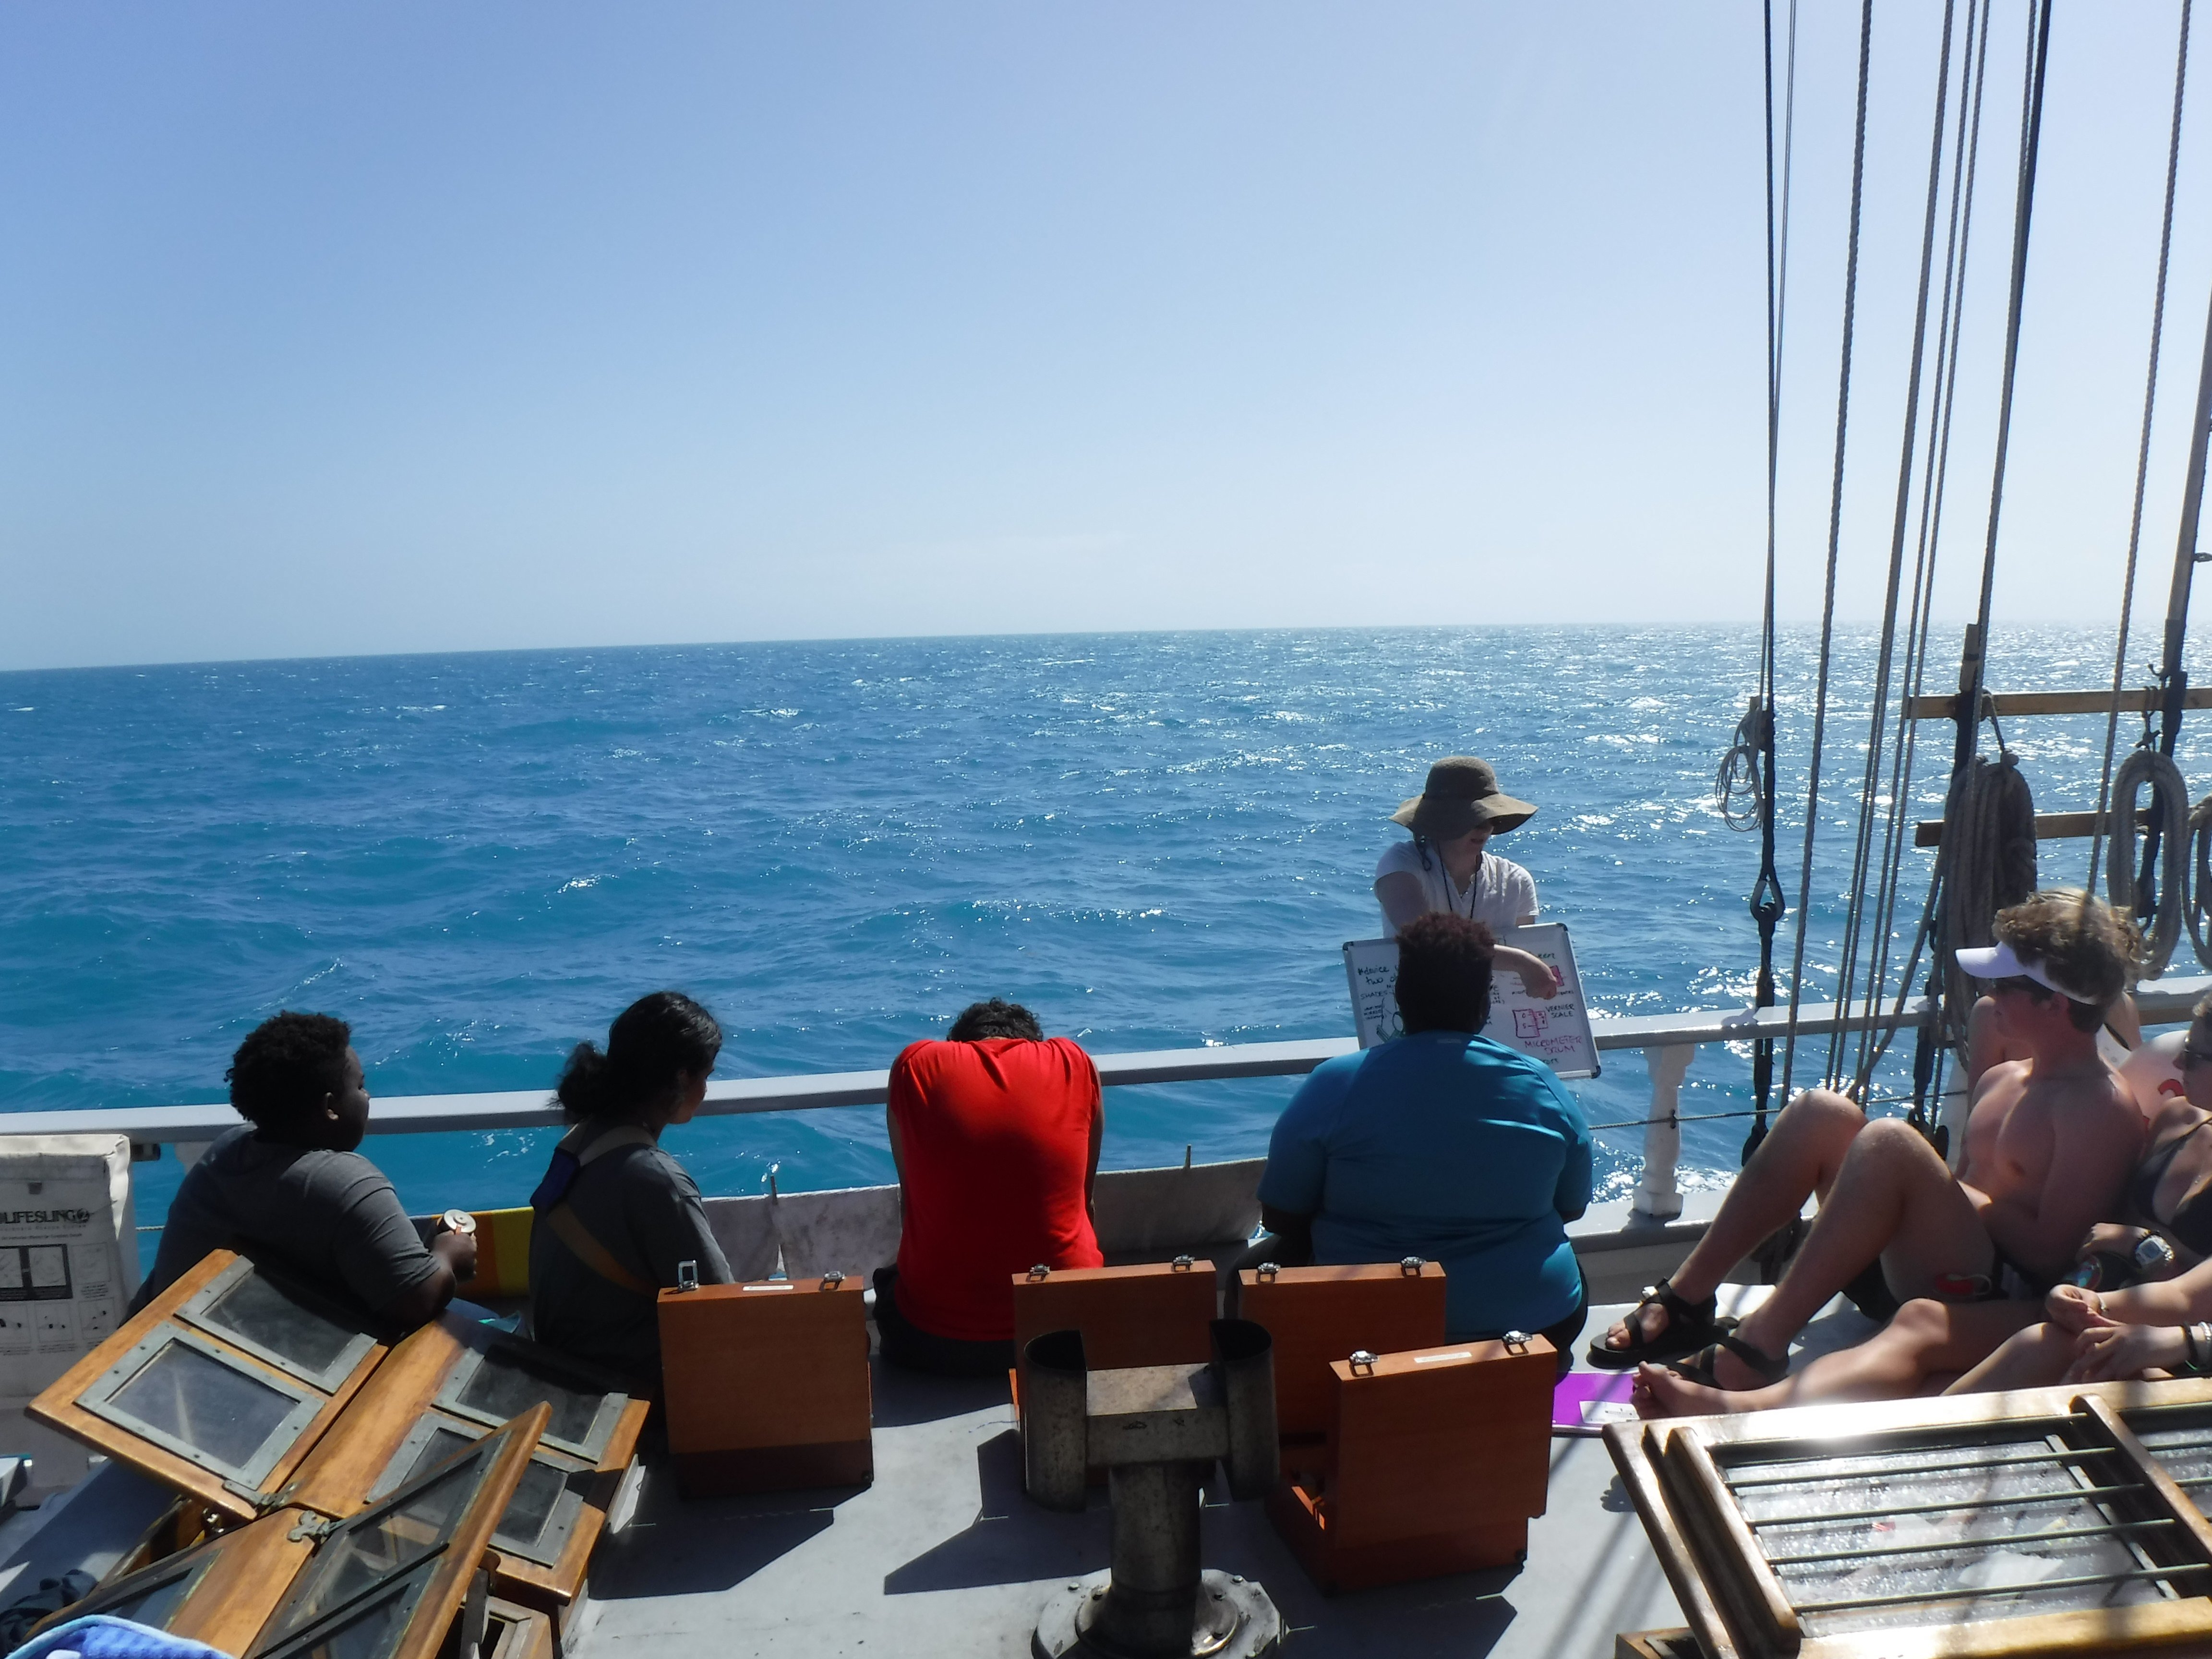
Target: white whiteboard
(1556,1032)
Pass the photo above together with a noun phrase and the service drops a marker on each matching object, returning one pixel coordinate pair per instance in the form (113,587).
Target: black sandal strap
(1690,1326)
(1680,1311)
(1704,1366)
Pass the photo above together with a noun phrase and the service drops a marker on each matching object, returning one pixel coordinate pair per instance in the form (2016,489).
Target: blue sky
(353,328)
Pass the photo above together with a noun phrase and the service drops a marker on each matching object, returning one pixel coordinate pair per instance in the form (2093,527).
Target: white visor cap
(1998,962)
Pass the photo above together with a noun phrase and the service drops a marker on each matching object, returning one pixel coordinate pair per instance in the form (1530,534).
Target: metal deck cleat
(1157,1430)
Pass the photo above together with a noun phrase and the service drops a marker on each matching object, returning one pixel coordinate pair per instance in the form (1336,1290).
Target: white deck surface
(943,1555)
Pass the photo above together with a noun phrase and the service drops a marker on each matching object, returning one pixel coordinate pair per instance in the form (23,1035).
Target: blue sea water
(1153,840)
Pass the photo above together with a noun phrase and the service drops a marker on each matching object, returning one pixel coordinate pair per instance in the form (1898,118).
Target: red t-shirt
(995,1139)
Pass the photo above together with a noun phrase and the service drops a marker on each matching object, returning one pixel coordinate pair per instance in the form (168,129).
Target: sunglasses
(2034,988)
(2189,1057)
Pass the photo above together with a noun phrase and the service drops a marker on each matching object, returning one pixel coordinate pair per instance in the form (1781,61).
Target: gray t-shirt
(330,1218)
(645,1211)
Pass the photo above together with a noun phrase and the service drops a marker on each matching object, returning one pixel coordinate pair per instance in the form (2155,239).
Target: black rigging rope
(1835,542)
(1959,846)
(1755,736)
(1928,1050)
(1855,928)
(2142,471)
(2037,54)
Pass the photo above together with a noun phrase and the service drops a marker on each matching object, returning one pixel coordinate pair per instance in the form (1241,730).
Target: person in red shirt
(995,1133)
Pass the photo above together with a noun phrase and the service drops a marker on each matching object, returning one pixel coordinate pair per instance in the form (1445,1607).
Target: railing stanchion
(1656,1196)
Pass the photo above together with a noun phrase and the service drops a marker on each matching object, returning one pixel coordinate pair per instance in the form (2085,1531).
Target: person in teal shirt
(1444,1145)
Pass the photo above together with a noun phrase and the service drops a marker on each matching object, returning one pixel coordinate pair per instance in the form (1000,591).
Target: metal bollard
(1156,1430)
(1244,1362)
(1053,1430)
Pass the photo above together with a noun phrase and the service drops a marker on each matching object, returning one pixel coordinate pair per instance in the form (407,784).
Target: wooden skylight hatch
(298,1332)
(386,1584)
(548,1502)
(219,1387)
(2023,1523)
(493,1382)
(247,1394)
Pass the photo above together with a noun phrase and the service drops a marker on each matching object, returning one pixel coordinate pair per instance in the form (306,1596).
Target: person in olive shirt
(288,1190)
(616,1214)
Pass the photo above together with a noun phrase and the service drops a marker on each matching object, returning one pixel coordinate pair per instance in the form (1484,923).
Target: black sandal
(1701,1366)
(1690,1326)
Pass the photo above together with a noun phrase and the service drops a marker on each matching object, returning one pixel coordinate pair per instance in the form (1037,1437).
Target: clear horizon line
(1786,624)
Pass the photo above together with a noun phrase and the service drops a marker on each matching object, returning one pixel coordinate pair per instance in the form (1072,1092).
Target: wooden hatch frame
(353,1458)
(241,1581)
(155,1329)
(1739,1608)
(238,1578)
(344,1440)
(456,1563)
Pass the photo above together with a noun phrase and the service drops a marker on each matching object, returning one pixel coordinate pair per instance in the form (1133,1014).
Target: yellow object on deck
(502,1254)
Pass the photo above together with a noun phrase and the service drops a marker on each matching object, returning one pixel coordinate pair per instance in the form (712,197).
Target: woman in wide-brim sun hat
(1448,865)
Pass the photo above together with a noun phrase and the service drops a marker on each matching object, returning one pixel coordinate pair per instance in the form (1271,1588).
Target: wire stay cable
(1835,542)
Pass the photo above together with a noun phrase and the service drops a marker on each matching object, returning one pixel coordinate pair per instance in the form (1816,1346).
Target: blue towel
(100,1637)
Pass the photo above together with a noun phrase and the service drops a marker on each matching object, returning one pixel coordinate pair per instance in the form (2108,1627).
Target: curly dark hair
(996,1019)
(285,1067)
(1444,973)
(2084,944)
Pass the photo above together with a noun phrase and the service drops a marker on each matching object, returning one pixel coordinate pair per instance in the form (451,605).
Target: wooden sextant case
(1319,1315)
(1434,1462)
(766,1385)
(1155,1313)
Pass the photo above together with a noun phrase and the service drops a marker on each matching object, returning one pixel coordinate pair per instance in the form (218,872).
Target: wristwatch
(460,1221)
(2153,1254)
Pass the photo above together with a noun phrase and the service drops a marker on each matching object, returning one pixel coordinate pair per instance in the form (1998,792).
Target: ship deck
(944,1555)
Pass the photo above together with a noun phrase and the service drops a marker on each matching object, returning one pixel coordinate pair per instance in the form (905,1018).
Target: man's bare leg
(1893,1198)
(1800,1155)
(1927,1341)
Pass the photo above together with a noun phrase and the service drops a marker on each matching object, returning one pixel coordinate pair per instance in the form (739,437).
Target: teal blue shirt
(1447,1146)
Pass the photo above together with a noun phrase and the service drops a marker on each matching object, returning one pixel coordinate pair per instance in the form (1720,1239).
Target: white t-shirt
(1502,892)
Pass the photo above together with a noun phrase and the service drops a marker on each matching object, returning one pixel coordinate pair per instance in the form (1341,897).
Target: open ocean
(1155,840)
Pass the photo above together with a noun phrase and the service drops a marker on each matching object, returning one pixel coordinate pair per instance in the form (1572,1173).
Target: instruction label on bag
(67,1252)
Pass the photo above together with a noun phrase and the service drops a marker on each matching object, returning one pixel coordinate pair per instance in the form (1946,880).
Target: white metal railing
(1668,1043)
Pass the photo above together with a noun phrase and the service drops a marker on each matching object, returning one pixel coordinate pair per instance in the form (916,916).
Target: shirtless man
(2050,1143)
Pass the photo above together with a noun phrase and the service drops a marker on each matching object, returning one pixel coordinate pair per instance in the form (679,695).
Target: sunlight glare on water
(1155,840)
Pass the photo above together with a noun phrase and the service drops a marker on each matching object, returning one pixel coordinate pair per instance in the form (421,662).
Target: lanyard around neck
(1473,883)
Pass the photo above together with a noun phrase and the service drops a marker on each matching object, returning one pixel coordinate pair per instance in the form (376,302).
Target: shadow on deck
(944,1555)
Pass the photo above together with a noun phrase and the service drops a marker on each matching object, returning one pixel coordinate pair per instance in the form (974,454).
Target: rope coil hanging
(1987,862)
(2170,820)
(2200,863)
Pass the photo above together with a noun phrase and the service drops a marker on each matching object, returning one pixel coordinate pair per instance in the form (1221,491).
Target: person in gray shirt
(287,1188)
(614,1213)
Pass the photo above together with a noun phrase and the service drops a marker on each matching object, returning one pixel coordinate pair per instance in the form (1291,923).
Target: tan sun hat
(1462,794)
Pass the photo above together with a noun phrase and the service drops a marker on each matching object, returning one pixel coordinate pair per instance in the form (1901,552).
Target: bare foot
(1662,1393)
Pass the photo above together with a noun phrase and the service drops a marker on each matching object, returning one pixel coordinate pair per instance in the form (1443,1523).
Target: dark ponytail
(652,1041)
